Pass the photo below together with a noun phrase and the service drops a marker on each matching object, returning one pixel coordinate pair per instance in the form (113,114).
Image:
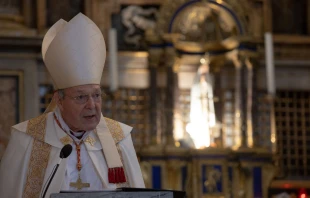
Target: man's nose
(90,102)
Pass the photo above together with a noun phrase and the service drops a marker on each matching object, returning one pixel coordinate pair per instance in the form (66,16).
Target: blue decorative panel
(230,180)
(184,177)
(156,177)
(257,182)
(211,179)
(230,173)
(218,177)
(203,178)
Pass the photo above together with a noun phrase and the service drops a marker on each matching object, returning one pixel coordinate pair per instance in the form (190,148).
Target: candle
(113,66)
(269,64)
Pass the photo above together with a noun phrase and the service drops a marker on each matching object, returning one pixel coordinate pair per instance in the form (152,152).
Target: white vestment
(14,164)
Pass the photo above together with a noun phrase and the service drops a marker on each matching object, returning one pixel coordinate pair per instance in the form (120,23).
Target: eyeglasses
(82,99)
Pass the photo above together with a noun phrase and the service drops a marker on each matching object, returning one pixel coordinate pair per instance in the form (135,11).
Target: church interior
(217,91)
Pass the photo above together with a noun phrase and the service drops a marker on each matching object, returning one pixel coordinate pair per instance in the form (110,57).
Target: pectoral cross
(79,184)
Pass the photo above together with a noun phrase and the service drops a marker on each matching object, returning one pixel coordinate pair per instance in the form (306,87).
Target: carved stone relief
(131,23)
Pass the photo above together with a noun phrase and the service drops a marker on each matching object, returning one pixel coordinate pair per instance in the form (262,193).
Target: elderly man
(103,155)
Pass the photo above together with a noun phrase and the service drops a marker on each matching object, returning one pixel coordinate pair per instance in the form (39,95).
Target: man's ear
(58,100)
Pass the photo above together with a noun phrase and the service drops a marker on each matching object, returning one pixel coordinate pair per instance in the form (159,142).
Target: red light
(302,193)
(287,185)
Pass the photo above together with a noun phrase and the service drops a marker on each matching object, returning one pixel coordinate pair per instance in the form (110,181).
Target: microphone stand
(49,182)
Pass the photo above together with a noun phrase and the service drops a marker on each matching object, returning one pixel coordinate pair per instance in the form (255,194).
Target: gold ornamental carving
(66,140)
(155,56)
(242,8)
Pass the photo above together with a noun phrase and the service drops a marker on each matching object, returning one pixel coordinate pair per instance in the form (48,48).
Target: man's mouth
(89,117)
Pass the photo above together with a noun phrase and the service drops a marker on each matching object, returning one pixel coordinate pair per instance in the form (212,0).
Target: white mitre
(74,52)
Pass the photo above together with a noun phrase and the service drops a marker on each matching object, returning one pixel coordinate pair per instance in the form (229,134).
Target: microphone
(64,153)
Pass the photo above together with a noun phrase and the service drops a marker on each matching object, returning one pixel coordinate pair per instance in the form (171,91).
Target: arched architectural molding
(240,12)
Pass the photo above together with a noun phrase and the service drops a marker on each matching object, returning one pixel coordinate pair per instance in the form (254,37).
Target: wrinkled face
(81,107)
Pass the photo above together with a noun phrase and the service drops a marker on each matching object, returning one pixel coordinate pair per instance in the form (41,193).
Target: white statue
(202,113)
